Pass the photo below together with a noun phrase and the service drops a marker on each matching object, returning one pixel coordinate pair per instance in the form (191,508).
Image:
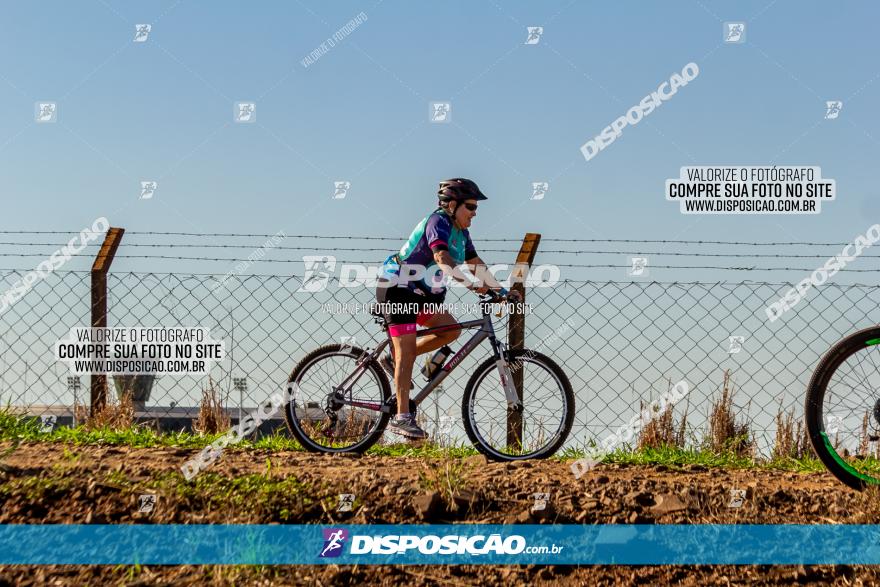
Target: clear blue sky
(162,110)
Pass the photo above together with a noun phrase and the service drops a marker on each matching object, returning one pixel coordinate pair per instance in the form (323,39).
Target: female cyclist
(412,279)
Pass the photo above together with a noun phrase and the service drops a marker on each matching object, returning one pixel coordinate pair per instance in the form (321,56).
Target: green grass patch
(426,450)
(674,457)
(27,429)
(285,496)
(37,488)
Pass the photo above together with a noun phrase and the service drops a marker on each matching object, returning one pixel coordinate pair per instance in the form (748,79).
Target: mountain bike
(518,404)
(843,409)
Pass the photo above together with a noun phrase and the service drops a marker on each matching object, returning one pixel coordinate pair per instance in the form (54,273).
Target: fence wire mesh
(625,343)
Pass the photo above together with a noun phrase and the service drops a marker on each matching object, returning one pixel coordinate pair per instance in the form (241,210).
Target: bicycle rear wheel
(315,416)
(548,408)
(843,409)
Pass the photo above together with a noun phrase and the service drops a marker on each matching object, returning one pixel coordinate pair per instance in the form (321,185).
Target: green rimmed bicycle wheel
(843,409)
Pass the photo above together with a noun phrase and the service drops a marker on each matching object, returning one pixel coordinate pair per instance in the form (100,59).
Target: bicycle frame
(485,330)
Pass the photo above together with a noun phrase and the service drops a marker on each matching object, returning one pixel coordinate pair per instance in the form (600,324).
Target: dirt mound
(54,483)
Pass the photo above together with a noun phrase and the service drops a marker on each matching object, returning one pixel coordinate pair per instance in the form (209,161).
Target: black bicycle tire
(478,375)
(826,368)
(303,438)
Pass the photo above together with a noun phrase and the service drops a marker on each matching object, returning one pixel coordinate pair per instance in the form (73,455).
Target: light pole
(74,386)
(240,384)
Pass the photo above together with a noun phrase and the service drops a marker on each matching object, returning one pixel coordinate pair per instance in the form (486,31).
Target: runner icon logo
(334,540)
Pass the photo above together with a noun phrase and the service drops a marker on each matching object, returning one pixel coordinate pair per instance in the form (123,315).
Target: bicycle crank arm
(376,406)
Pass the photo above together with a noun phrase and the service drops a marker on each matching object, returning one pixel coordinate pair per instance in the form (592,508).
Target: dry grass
(725,433)
(355,423)
(115,414)
(441,439)
(80,413)
(212,419)
(351,427)
(865,440)
(662,430)
(792,438)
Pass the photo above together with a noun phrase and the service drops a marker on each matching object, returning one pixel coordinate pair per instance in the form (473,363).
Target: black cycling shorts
(403,308)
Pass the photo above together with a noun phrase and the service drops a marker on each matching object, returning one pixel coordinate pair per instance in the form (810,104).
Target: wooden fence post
(516,331)
(100,268)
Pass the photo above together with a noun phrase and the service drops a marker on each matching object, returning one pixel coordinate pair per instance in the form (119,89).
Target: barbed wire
(379,262)
(511,251)
(640,283)
(402,238)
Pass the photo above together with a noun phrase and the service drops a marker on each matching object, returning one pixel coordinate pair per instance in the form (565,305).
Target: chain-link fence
(625,342)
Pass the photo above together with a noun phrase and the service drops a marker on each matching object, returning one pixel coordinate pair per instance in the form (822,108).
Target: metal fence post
(100,268)
(516,330)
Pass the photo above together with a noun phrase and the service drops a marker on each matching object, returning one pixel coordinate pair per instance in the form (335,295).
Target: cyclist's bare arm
(445,261)
(476,265)
(484,277)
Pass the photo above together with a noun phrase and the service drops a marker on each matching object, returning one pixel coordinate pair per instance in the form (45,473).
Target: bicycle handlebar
(494,296)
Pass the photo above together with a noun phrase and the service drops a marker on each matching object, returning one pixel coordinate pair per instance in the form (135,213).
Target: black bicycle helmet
(459,189)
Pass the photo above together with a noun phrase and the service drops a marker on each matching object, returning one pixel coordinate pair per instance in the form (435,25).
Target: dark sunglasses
(471,207)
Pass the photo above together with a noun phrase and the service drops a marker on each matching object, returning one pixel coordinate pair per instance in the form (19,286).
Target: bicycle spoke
(346,426)
(848,401)
(544,406)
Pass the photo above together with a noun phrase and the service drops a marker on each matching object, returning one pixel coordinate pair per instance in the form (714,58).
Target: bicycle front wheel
(316,417)
(545,421)
(843,409)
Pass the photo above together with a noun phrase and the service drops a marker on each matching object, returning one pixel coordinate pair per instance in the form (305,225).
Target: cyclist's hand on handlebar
(502,295)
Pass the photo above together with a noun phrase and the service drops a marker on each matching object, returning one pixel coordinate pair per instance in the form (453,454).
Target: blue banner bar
(439,544)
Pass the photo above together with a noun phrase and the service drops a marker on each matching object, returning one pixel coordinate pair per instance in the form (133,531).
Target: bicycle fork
(514,403)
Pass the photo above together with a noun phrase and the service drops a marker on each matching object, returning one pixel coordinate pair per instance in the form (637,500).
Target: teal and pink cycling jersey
(433,233)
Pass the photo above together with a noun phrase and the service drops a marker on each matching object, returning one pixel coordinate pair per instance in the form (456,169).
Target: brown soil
(101,485)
